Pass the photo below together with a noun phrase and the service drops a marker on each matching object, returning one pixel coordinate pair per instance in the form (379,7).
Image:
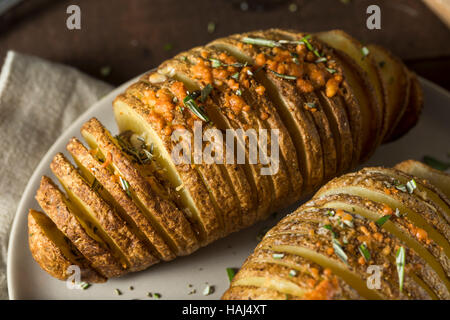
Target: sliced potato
(290,107)
(340,40)
(108,186)
(103,219)
(437,178)
(54,252)
(219,112)
(394,76)
(178,233)
(413,111)
(434,271)
(66,217)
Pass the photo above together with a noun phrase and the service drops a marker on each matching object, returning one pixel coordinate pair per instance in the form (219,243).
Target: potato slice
(357,231)
(434,271)
(421,215)
(425,190)
(220,114)
(342,41)
(437,178)
(124,244)
(178,233)
(54,252)
(290,107)
(66,217)
(300,267)
(110,189)
(394,76)
(216,177)
(413,111)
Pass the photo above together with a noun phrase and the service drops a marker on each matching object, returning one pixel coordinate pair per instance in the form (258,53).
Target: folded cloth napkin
(38,100)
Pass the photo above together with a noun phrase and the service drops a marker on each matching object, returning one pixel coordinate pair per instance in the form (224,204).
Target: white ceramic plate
(176,279)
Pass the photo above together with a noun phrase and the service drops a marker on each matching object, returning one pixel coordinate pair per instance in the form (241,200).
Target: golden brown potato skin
(348,226)
(129,206)
(49,256)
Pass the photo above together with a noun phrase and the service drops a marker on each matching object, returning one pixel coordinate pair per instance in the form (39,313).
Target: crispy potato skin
(54,203)
(49,256)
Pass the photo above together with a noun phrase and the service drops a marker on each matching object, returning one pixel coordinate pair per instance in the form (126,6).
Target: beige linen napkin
(38,101)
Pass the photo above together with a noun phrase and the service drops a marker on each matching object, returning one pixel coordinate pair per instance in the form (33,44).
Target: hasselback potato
(377,217)
(325,101)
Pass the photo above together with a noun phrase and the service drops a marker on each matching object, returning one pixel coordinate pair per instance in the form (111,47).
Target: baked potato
(376,217)
(130,203)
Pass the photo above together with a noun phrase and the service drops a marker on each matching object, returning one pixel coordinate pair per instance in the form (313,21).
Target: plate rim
(53,149)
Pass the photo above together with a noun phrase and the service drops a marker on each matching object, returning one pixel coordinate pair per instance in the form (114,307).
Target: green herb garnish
(305,40)
(292,273)
(364,252)
(400,261)
(125,186)
(436,164)
(190,103)
(383,220)
(365,52)
(261,42)
(231,273)
(278,255)
(156,295)
(330,70)
(411,186)
(84,285)
(118,292)
(211,27)
(294,56)
(284,76)
(311,105)
(235,76)
(339,251)
(321,59)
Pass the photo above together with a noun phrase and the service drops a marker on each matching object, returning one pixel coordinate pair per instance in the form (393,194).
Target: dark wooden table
(122,38)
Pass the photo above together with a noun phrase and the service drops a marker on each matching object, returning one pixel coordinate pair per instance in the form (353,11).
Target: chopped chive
(411,186)
(235,76)
(278,255)
(215,63)
(168,46)
(125,186)
(211,27)
(231,273)
(84,285)
(330,70)
(383,220)
(397,213)
(208,290)
(284,76)
(156,295)
(330,228)
(190,103)
(436,164)
(364,252)
(400,261)
(260,42)
(294,56)
(205,92)
(292,273)
(238,92)
(305,40)
(401,187)
(339,251)
(365,51)
(311,105)
(321,59)
(249,72)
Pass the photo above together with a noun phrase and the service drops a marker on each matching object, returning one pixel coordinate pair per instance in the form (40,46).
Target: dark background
(120,39)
